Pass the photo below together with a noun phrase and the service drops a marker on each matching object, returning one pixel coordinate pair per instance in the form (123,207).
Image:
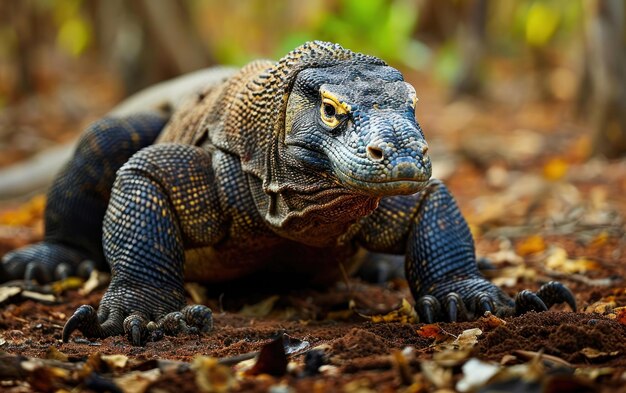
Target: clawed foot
(137,326)
(471,301)
(45,262)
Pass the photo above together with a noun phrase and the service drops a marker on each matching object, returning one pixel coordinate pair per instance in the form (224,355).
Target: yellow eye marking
(414,100)
(331,108)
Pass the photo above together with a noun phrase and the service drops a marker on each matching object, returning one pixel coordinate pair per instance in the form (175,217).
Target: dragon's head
(357,122)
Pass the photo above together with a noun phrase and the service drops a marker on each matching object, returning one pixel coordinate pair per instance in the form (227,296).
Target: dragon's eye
(332,109)
(329,110)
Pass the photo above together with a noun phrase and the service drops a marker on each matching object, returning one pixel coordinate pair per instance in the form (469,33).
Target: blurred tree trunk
(472,41)
(602,95)
(148,40)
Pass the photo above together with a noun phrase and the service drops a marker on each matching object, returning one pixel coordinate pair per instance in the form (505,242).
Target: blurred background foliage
(566,50)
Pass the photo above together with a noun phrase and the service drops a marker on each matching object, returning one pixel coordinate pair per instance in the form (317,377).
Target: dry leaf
(40,297)
(272,359)
(96,280)
(25,215)
(600,307)
(260,309)
(212,376)
(531,245)
(54,354)
(555,169)
(468,338)
(404,314)
(67,284)
(620,315)
(8,292)
(439,376)
(492,321)
(593,353)
(115,361)
(137,381)
(558,260)
(433,331)
(475,374)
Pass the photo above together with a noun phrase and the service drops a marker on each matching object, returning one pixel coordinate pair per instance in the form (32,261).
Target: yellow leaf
(555,169)
(558,260)
(25,215)
(212,376)
(404,314)
(531,245)
(620,315)
(541,24)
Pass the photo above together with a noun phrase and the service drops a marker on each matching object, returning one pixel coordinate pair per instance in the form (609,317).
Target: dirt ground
(539,210)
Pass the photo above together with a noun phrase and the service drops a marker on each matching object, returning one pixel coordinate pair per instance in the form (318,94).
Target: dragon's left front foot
(140,314)
(470,298)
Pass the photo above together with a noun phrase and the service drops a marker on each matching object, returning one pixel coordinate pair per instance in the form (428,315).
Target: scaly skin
(287,167)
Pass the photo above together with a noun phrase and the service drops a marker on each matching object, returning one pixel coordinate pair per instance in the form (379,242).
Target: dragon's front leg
(440,259)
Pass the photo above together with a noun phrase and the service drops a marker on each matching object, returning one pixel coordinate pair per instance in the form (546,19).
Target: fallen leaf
(433,331)
(402,367)
(26,214)
(601,307)
(8,292)
(492,321)
(593,353)
(96,280)
(67,284)
(558,260)
(468,338)
(272,359)
(293,345)
(54,354)
(475,374)
(555,169)
(137,381)
(212,376)
(620,315)
(40,297)
(403,314)
(437,375)
(531,245)
(260,309)
(115,361)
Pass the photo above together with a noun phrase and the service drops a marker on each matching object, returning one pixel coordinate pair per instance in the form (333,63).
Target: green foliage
(75,33)
(379,27)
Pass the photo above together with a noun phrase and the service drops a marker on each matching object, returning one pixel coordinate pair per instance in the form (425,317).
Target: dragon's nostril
(375,153)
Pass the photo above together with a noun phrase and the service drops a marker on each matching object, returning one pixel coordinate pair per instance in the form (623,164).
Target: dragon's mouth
(383,187)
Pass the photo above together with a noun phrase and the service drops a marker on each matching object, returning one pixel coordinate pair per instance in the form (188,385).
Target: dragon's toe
(43,262)
(548,295)
(428,308)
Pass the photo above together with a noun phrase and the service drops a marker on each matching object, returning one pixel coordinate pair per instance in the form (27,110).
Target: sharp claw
(199,316)
(62,271)
(455,307)
(38,272)
(84,319)
(528,301)
(428,308)
(135,329)
(484,303)
(554,292)
(85,268)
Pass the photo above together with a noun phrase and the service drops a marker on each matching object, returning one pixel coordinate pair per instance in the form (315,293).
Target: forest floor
(538,207)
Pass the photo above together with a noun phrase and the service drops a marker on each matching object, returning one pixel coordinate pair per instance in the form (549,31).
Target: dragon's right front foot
(44,262)
(139,312)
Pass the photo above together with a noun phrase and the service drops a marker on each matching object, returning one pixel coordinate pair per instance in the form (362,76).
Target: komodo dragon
(290,167)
